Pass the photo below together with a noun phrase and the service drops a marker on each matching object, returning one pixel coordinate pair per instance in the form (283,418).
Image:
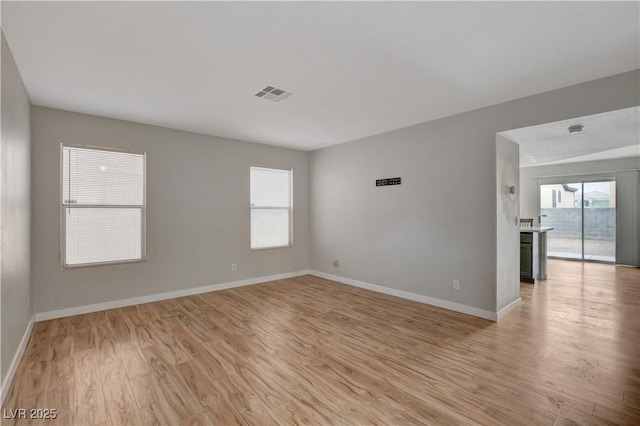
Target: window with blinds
(103,206)
(271,207)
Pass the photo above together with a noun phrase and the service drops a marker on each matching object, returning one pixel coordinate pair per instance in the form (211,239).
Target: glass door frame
(582,180)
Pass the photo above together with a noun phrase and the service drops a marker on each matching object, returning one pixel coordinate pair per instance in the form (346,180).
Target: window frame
(290,209)
(64,206)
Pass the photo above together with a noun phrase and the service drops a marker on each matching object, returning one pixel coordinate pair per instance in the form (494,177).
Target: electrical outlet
(233,267)
(336,263)
(456,284)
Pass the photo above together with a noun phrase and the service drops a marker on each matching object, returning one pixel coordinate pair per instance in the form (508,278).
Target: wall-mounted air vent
(273,94)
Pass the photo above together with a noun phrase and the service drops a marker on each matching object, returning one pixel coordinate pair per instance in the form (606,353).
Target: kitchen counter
(536,229)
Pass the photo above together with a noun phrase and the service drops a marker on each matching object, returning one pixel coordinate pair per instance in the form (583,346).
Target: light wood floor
(307,350)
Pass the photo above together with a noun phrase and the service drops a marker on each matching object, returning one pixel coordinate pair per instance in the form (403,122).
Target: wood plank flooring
(307,350)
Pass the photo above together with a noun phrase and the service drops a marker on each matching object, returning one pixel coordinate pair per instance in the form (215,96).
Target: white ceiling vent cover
(273,94)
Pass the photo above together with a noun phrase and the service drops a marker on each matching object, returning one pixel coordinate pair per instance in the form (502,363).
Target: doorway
(583,217)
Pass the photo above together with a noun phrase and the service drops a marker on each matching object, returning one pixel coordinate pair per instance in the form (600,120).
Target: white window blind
(103,206)
(271,207)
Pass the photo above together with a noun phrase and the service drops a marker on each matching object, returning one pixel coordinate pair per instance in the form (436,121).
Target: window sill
(91,265)
(271,248)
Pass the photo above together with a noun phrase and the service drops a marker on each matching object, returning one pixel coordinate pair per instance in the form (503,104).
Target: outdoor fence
(600,223)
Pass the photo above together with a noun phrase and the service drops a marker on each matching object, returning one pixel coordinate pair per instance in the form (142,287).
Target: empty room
(264,213)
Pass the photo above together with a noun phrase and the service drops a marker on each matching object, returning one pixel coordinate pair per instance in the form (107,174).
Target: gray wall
(507,224)
(627,199)
(15,211)
(628,217)
(197,211)
(440,224)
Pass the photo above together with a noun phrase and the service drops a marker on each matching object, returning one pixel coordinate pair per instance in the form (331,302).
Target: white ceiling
(614,134)
(356,68)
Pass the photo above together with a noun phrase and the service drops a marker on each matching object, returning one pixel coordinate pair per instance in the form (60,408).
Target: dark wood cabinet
(526,263)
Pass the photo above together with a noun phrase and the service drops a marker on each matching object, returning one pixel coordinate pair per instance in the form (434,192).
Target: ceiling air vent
(273,94)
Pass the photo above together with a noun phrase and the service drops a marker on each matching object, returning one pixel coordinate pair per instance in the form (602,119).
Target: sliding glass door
(560,209)
(582,215)
(599,208)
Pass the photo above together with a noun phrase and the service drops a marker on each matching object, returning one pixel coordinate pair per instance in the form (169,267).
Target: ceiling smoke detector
(576,128)
(274,94)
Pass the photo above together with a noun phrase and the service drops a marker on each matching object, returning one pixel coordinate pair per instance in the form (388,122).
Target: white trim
(510,307)
(452,306)
(43,316)
(16,360)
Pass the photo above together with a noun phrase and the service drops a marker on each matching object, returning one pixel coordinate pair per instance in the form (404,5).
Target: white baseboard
(458,307)
(96,307)
(510,307)
(14,364)
(452,306)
